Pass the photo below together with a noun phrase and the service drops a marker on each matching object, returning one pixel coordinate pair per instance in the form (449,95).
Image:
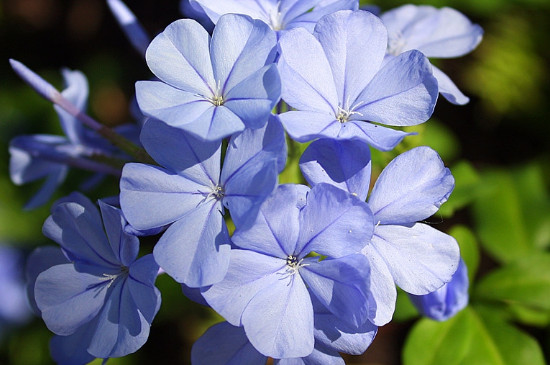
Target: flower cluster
(309,271)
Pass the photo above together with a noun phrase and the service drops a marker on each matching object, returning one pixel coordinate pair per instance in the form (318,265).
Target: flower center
(276,18)
(124,270)
(217,99)
(217,192)
(344,115)
(293,264)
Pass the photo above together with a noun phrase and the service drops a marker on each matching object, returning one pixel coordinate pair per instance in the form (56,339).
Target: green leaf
(469,249)
(499,218)
(472,337)
(523,286)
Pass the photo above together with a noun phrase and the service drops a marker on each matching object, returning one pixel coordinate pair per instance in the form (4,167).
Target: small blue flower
(271,279)
(415,256)
(189,193)
(48,156)
(446,301)
(279,15)
(438,33)
(102,302)
(216,86)
(339,82)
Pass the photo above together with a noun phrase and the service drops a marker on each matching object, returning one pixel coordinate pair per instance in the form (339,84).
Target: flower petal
(448,89)
(303,126)
(333,223)
(231,344)
(151,196)
(402,93)
(180,56)
(377,136)
(279,320)
(195,249)
(411,188)
(124,246)
(345,164)
(354,43)
(248,274)
(68,298)
(421,259)
(342,286)
(306,77)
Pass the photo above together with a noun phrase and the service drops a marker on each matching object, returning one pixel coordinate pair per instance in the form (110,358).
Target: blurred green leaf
(472,337)
(503,217)
(466,188)
(433,134)
(523,286)
(469,249)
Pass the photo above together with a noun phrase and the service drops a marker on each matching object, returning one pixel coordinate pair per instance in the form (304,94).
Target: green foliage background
(497,147)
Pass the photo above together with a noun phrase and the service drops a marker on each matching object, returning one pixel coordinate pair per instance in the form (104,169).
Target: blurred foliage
(497,147)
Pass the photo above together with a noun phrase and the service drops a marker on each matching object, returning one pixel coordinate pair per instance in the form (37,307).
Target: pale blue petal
(152,197)
(448,89)
(345,164)
(411,188)
(39,260)
(124,246)
(309,19)
(402,93)
(180,56)
(354,44)
(333,223)
(382,288)
(173,106)
(276,228)
(303,126)
(420,258)
(264,143)
(225,344)
(195,249)
(306,77)
(253,98)
(342,286)
(68,299)
(72,349)
(121,328)
(240,46)
(278,320)
(249,273)
(318,356)
(215,8)
(215,124)
(180,152)
(54,179)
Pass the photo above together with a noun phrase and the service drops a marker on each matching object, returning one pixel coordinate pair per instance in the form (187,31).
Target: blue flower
(271,278)
(415,256)
(102,301)
(189,193)
(438,33)
(446,301)
(338,82)
(279,15)
(214,86)
(48,156)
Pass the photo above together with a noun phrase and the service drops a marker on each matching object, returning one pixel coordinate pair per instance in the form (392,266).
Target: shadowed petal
(448,89)
(61,289)
(344,164)
(231,347)
(303,126)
